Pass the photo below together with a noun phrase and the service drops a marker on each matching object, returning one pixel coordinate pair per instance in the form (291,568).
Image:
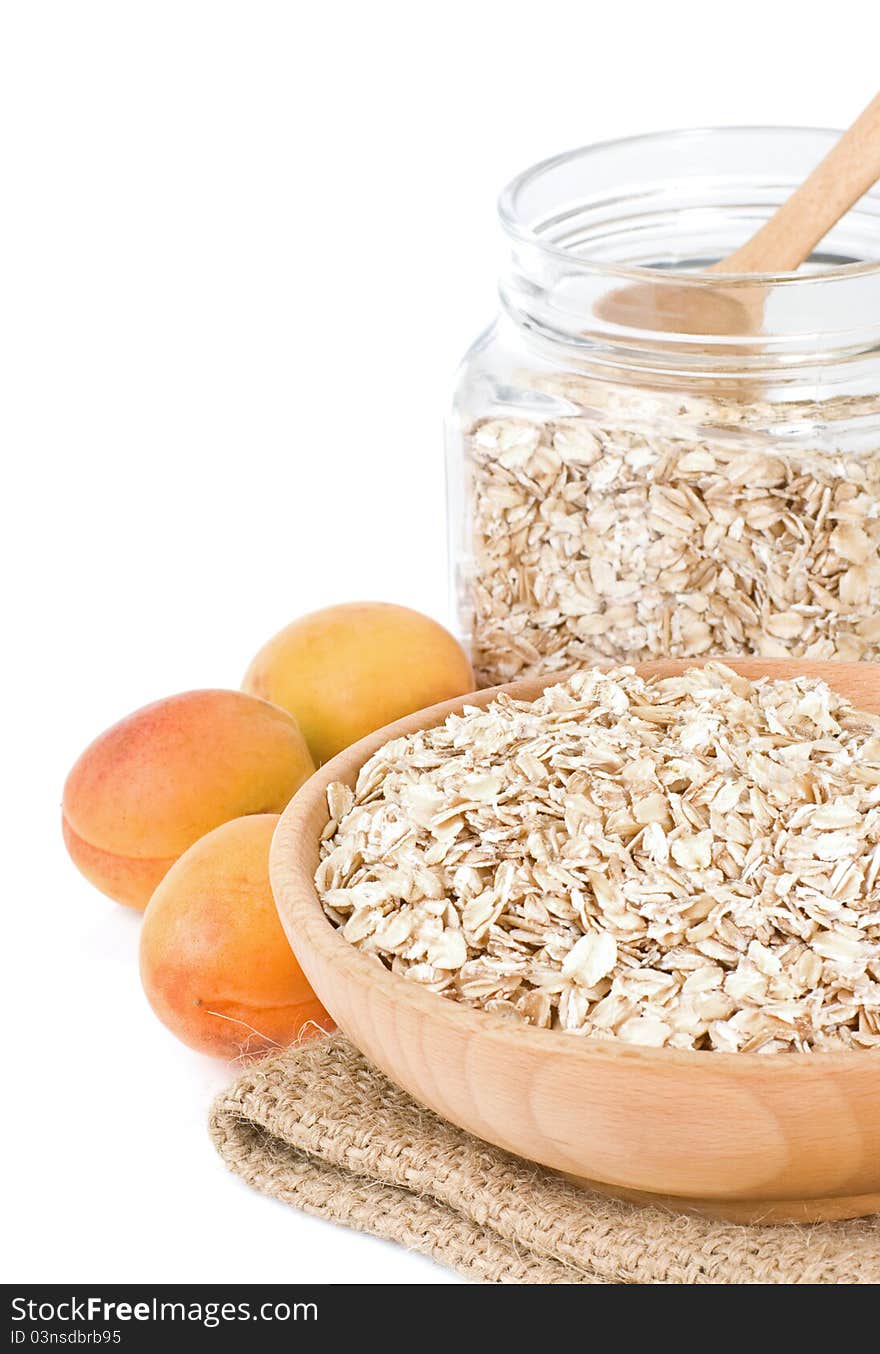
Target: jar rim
(522,233)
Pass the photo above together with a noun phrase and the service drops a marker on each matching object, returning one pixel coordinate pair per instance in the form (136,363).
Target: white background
(245,245)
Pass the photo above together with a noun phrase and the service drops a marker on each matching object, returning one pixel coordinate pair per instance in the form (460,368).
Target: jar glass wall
(621,493)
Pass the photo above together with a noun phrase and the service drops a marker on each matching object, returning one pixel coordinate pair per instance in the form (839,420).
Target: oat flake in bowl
(691,861)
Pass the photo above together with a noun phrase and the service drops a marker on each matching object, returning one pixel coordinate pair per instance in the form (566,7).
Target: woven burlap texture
(320,1128)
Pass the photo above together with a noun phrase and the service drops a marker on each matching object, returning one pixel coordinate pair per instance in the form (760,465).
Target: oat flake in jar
(624,494)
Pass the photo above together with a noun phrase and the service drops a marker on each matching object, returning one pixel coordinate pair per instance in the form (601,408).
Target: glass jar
(620,493)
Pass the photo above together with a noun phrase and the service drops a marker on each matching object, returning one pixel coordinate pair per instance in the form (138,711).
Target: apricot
(215,963)
(350,669)
(154,783)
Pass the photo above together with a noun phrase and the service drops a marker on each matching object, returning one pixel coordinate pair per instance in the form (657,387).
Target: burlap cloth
(318,1127)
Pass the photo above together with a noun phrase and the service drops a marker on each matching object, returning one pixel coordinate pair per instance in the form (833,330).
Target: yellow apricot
(347,670)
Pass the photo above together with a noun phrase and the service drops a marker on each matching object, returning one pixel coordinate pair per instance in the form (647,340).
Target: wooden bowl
(748,1137)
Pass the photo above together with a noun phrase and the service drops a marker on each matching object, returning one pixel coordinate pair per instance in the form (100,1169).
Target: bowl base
(763,1212)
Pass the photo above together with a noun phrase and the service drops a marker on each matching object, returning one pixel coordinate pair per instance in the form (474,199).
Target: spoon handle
(836,184)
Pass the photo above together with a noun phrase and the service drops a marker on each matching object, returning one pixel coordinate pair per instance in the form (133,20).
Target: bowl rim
(296,895)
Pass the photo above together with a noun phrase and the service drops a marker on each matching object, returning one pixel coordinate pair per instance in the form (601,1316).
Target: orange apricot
(154,783)
(215,963)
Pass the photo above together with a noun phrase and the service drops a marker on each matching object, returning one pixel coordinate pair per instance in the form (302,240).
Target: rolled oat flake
(623,495)
(690,862)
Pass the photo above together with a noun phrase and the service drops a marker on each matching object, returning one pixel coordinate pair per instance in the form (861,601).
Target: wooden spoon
(781,245)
